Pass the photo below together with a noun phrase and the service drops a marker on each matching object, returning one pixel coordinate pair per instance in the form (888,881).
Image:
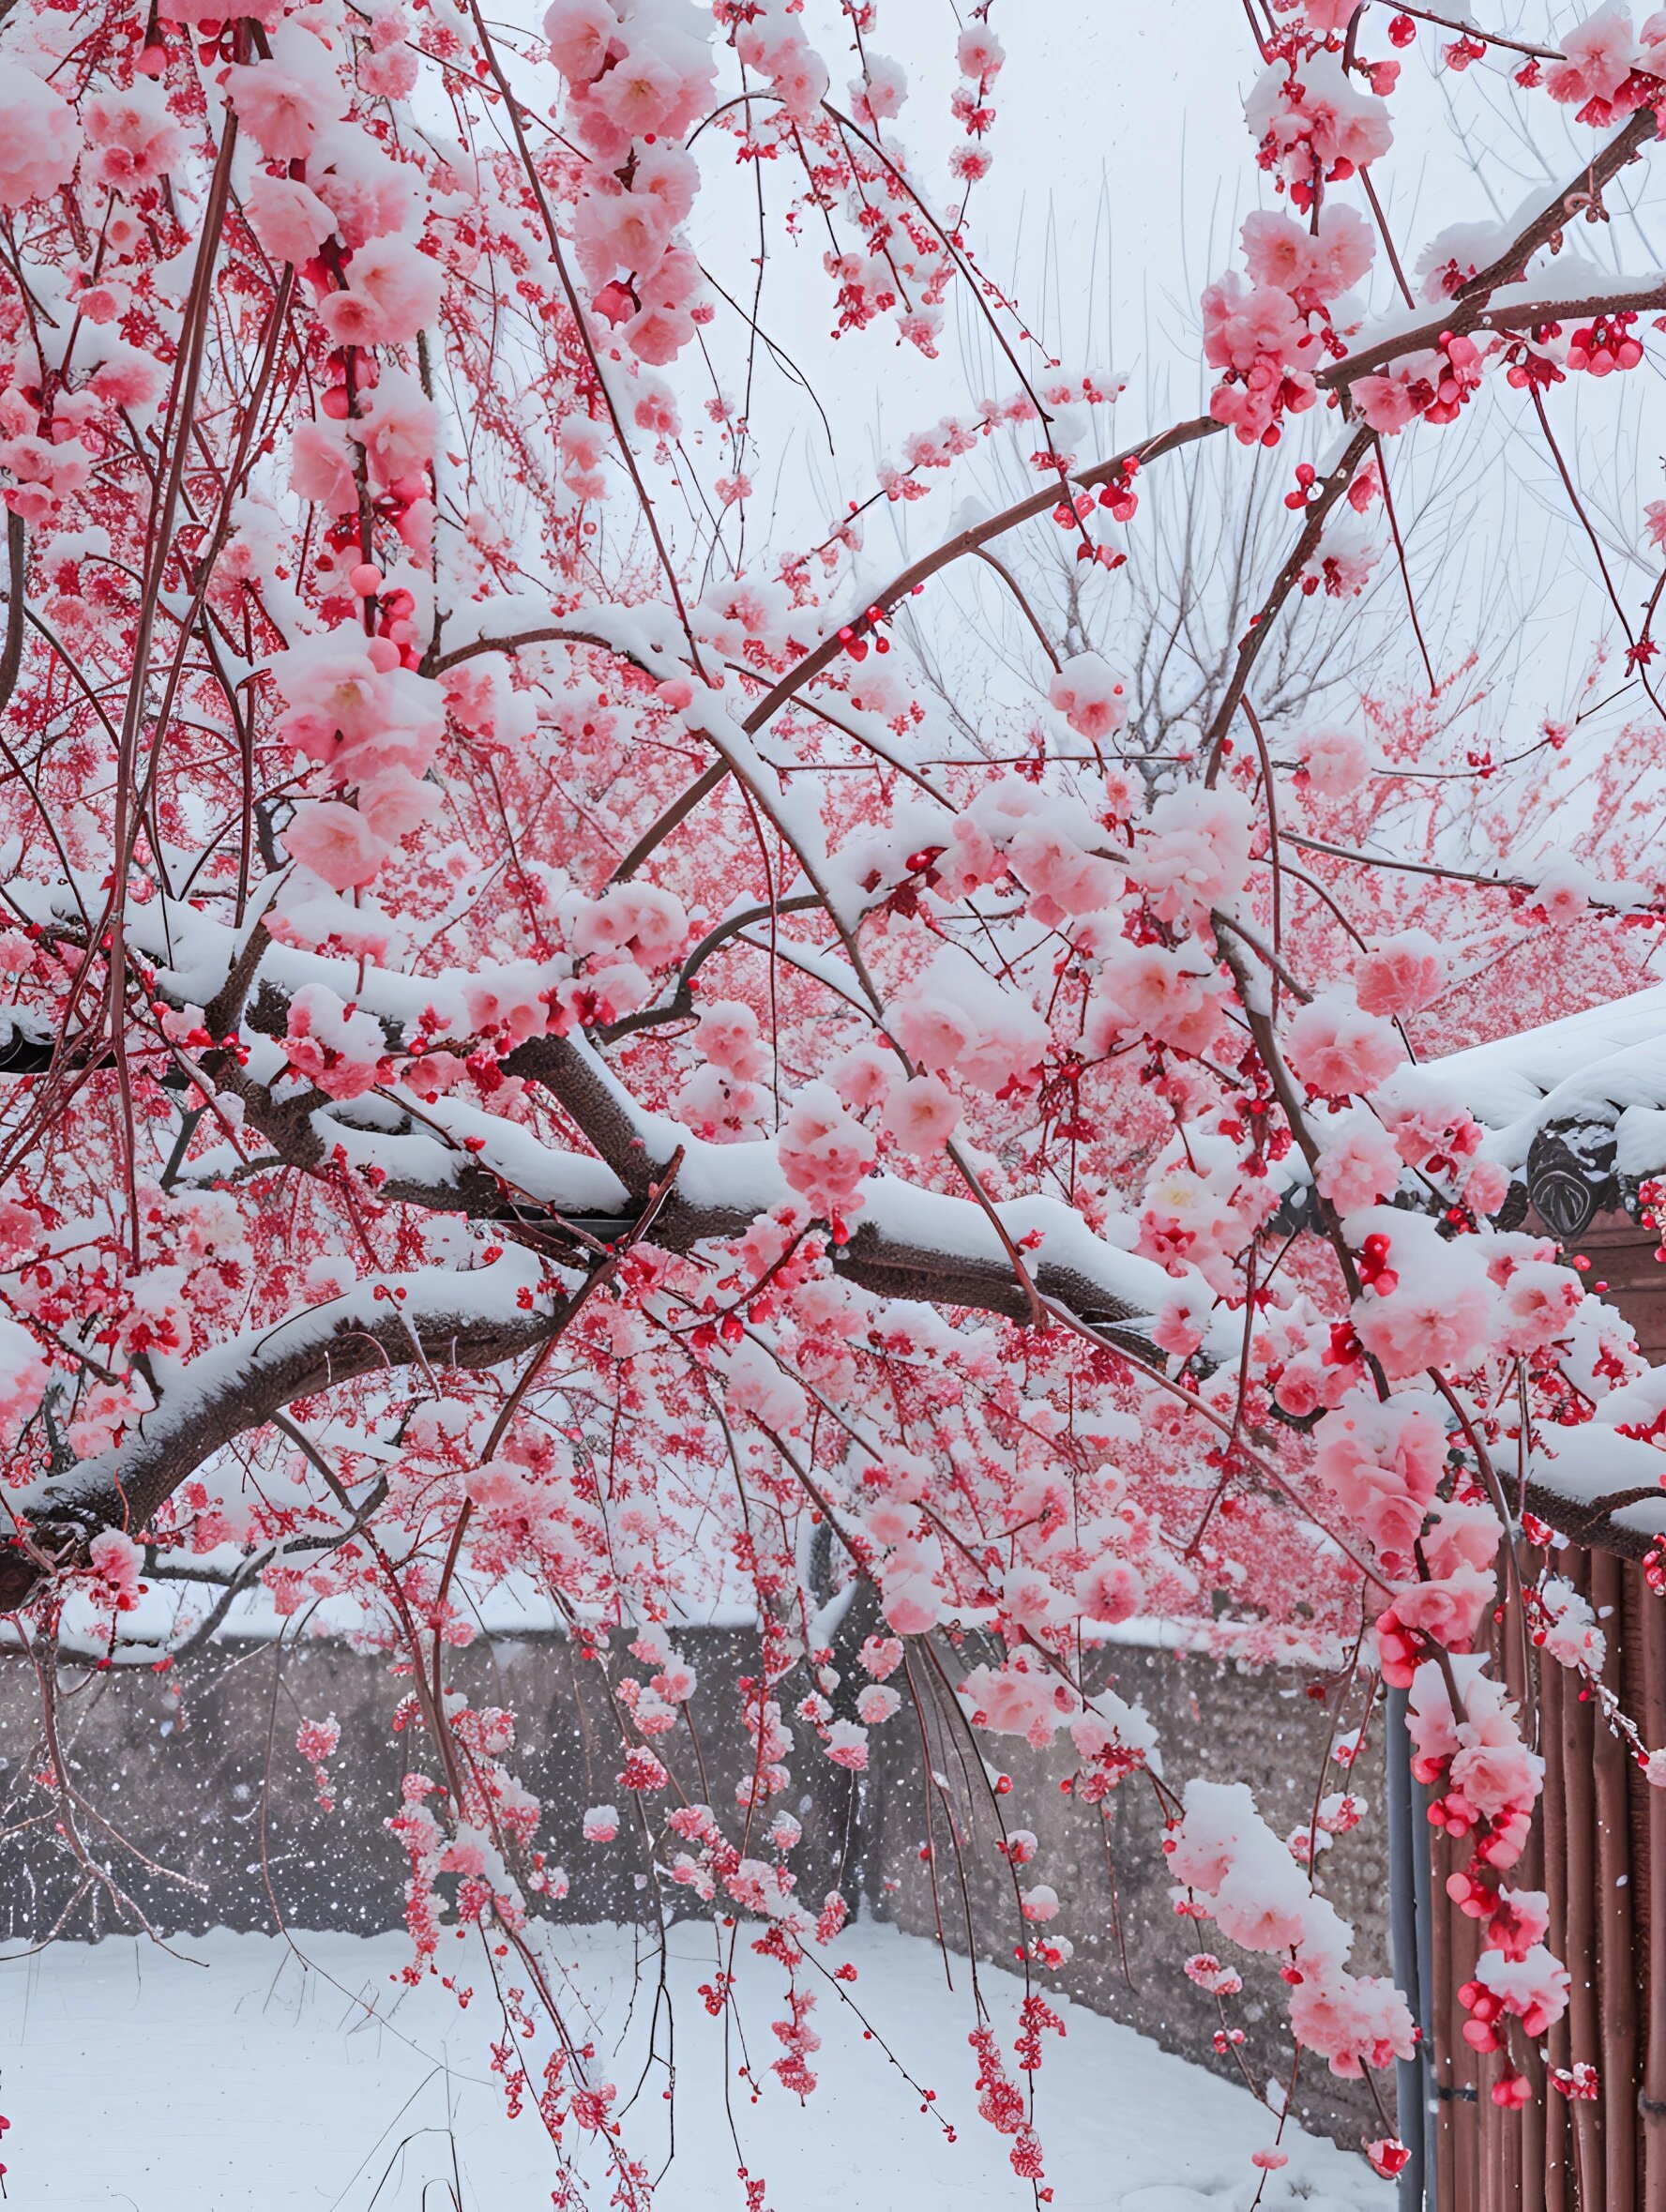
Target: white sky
(1123,166)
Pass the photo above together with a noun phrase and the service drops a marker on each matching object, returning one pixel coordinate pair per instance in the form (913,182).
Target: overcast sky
(1123,168)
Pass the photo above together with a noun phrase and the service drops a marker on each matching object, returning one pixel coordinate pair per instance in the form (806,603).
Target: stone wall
(197,1773)
(1107,1864)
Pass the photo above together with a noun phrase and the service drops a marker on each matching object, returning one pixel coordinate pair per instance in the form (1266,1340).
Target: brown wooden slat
(1585,2036)
(1616,1954)
(1651,1706)
(1444,2014)
(1558,2135)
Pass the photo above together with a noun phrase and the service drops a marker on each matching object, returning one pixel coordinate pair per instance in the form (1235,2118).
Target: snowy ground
(234,2075)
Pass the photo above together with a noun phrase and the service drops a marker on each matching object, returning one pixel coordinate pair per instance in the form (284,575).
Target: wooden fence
(1600,1853)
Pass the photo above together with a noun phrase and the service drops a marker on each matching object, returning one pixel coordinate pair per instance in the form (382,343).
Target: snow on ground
(242,2073)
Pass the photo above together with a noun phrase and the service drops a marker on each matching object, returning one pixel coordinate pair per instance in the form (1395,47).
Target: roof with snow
(1576,1109)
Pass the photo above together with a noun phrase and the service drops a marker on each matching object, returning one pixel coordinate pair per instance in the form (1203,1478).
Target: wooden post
(1558,2149)
(1467,2069)
(1617,1966)
(1424,1898)
(1585,2035)
(1446,2022)
(1507,2128)
(1652,1664)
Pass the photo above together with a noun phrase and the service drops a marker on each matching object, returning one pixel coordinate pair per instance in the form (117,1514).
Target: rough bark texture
(153,1467)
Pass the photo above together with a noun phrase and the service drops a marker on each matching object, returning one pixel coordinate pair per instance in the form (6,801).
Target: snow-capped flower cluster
(1271,339)
(1312,127)
(1229,1866)
(979,56)
(638,79)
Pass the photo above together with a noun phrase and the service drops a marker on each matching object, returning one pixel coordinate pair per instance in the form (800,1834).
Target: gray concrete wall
(196,1772)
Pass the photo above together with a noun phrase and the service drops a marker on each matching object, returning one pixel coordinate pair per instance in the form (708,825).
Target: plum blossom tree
(537,1049)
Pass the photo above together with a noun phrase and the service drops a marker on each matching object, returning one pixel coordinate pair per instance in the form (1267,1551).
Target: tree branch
(459,1320)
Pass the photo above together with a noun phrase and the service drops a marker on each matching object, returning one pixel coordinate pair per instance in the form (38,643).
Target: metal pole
(1411,2075)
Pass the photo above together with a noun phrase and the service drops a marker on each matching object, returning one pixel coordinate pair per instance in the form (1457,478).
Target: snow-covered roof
(1507,1079)
(1576,1111)
(1606,1067)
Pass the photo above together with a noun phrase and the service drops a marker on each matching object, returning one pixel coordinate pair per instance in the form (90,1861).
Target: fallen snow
(240,2072)
(1510,1079)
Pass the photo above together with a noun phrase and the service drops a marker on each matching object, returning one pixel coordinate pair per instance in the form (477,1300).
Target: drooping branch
(469,1320)
(917,1244)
